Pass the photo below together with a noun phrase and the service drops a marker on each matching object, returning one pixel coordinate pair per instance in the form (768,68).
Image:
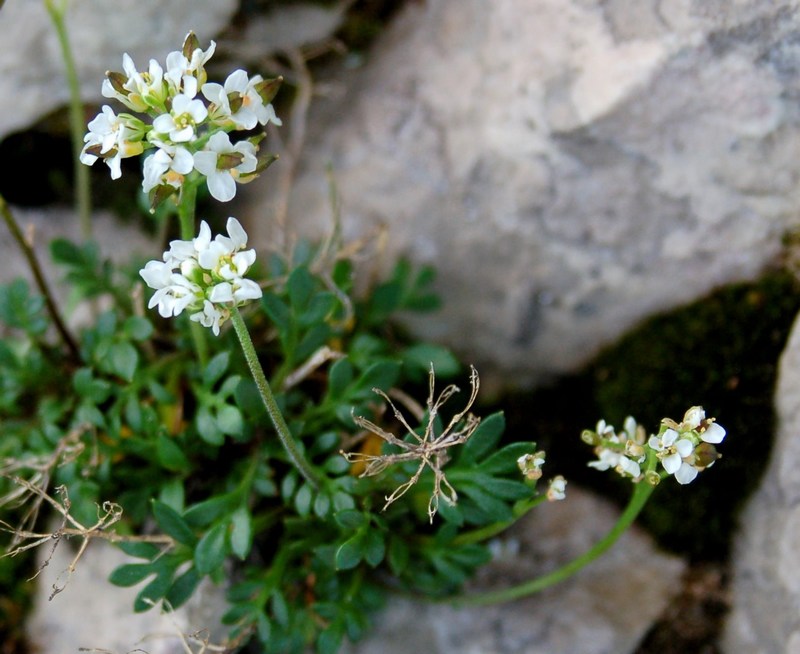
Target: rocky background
(569,166)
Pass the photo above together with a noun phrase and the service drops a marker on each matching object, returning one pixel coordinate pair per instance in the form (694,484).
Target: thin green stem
(641,494)
(38,276)
(186,209)
(77,128)
(186,216)
(274,412)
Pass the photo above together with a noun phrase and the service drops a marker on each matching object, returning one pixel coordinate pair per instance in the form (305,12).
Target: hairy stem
(38,276)
(267,397)
(77,128)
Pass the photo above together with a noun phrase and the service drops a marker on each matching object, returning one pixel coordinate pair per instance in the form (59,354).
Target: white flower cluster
(683,449)
(203,276)
(188,132)
(687,447)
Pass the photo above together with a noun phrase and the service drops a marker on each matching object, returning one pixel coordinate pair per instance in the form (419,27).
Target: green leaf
(207,427)
(322,505)
(216,368)
(504,461)
(351,552)
(485,438)
(330,640)
(399,555)
(302,501)
(123,359)
(183,588)
(318,309)
(170,455)
(210,552)
(130,574)
(340,376)
(382,374)
(277,311)
(172,524)
(350,519)
(204,513)
(300,287)
(94,390)
(230,420)
(488,503)
(139,550)
(20,309)
(138,328)
(241,532)
(374,547)
(149,596)
(418,359)
(280,609)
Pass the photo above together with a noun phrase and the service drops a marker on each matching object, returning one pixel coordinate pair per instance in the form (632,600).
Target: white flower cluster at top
(683,448)
(190,126)
(203,276)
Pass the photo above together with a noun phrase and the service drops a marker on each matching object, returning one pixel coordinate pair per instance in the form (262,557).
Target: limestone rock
(766,571)
(570,167)
(90,613)
(607,607)
(100,31)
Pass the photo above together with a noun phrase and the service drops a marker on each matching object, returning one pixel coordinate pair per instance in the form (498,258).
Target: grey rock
(766,565)
(90,613)
(604,609)
(570,167)
(100,31)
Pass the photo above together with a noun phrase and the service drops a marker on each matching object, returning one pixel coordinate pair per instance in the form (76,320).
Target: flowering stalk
(641,493)
(267,397)
(83,199)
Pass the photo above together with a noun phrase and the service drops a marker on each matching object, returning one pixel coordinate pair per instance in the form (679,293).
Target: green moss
(720,352)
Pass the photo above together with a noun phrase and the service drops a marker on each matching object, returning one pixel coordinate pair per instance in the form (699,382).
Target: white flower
(168,165)
(714,433)
(530,465)
(179,66)
(693,417)
(173,291)
(142,91)
(223,163)
(210,316)
(113,138)
(672,448)
(203,276)
(184,116)
(251,110)
(557,489)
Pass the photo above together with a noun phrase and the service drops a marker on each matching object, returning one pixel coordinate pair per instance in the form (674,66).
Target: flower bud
(652,477)
(705,454)
(589,437)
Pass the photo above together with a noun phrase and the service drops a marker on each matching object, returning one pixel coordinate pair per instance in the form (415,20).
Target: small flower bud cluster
(623,452)
(203,277)
(189,126)
(683,449)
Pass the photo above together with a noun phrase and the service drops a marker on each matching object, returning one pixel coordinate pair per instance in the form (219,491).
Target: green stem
(641,494)
(186,211)
(77,128)
(285,436)
(41,282)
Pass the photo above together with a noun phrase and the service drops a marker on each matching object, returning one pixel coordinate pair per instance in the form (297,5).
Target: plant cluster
(252,431)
